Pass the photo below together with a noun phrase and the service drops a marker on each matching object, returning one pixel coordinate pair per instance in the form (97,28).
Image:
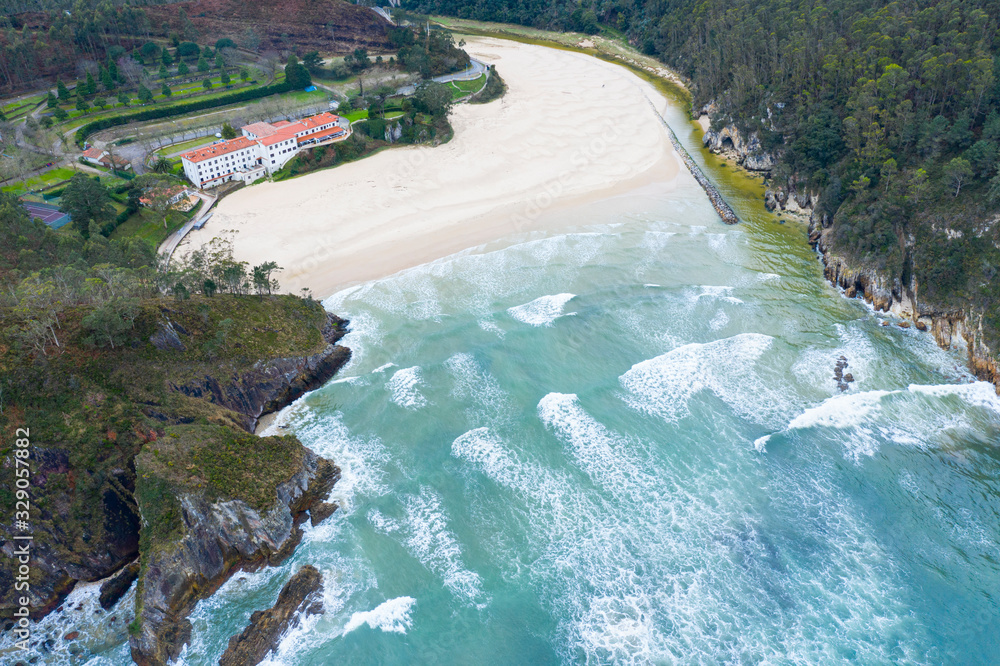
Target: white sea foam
(761,443)
(604,456)
(426,536)
(81,613)
(541,311)
(486,401)
(663,386)
(390,616)
(719,320)
(362,460)
(979,394)
(490,326)
(405,390)
(383,368)
(842,411)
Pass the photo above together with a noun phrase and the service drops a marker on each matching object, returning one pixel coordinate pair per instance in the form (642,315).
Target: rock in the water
(72,636)
(300,593)
(115,588)
(848,378)
(320,511)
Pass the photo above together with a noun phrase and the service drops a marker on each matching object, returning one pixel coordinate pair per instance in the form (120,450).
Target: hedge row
(155,113)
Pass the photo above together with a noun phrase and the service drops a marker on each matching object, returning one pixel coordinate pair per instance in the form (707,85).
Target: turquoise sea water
(623,443)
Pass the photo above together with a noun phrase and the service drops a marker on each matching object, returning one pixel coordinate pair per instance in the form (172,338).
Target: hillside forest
(889,111)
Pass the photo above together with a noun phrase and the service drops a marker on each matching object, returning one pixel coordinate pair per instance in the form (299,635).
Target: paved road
(474,71)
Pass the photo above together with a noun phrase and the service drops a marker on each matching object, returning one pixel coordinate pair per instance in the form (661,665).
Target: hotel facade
(263,149)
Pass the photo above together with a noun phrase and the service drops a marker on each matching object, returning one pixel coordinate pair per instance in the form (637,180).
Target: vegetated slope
(96,364)
(885,112)
(299,25)
(36,46)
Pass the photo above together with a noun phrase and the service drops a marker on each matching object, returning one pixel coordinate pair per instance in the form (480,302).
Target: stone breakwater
(724,210)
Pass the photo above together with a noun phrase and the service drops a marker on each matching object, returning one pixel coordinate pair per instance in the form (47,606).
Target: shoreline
(571,130)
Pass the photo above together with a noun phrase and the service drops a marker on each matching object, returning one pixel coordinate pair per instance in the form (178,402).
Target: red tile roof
(319,119)
(217,149)
(261,130)
(93,153)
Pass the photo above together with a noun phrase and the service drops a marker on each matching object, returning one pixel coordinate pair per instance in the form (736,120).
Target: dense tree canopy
(888,110)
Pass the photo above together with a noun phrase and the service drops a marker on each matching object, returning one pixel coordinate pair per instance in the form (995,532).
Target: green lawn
(41,181)
(146,226)
(186,145)
(461,89)
(360,114)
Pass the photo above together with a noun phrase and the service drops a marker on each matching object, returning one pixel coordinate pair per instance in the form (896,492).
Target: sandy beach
(571,129)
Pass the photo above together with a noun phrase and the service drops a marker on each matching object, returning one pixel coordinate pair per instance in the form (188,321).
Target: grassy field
(461,89)
(18,109)
(146,226)
(41,182)
(186,145)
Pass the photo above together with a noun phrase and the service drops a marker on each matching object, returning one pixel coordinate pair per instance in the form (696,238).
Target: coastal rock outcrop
(301,594)
(217,532)
(747,151)
(950,326)
(272,384)
(85,466)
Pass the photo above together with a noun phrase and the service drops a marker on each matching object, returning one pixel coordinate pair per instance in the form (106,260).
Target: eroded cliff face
(745,150)
(951,327)
(66,551)
(273,383)
(219,538)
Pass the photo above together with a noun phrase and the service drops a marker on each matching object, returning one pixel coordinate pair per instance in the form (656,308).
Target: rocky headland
(149,448)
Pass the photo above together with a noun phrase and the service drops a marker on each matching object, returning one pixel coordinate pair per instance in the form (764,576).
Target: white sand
(571,129)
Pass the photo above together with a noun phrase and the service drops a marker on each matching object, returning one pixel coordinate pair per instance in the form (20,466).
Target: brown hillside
(325,25)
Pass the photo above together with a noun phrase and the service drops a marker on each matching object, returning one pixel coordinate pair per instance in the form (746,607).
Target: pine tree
(166,59)
(145,95)
(202,64)
(63,91)
(165,90)
(182,69)
(225,78)
(219,62)
(51,101)
(91,84)
(106,80)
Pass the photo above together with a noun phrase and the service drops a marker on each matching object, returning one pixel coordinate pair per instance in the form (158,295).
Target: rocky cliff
(746,151)
(270,384)
(205,520)
(952,327)
(91,411)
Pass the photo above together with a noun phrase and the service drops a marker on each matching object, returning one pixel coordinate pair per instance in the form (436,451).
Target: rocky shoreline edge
(950,326)
(223,536)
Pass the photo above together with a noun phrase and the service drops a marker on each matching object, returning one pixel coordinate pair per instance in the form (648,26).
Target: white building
(263,149)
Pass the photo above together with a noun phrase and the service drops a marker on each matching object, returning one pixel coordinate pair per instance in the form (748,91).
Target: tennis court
(49,214)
